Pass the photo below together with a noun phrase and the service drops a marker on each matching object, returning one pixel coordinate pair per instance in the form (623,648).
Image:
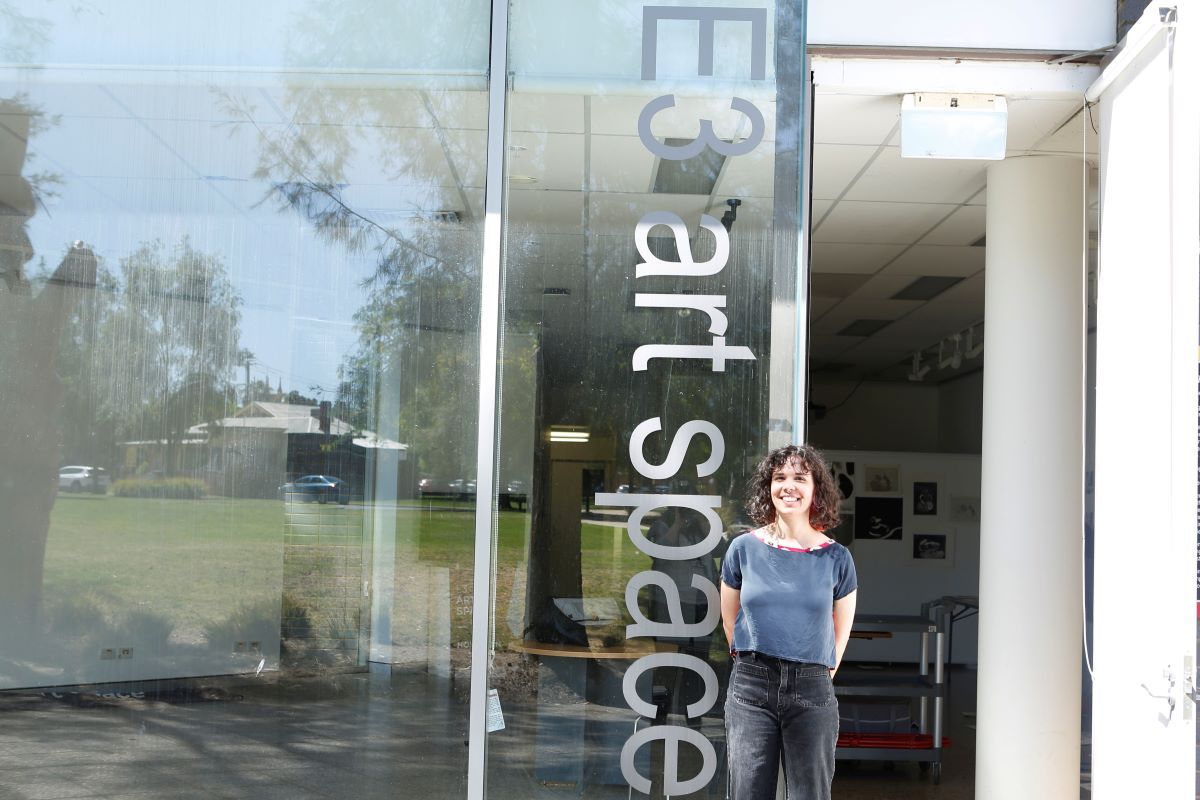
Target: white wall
(913,417)
(875,416)
(891,580)
(1063,25)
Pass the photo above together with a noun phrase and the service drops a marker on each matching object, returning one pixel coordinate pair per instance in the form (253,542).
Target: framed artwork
(879,518)
(881,479)
(843,476)
(964,509)
(925,498)
(930,546)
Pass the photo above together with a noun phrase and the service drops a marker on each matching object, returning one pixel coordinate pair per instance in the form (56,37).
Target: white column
(1030,618)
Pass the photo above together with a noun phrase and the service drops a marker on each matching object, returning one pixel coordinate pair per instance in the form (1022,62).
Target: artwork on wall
(929,546)
(843,476)
(925,498)
(881,479)
(843,534)
(880,518)
(964,509)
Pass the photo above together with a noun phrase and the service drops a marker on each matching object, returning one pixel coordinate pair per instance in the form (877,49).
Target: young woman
(787,600)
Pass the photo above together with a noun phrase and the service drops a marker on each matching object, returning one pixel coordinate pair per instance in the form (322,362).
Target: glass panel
(649,282)
(239,304)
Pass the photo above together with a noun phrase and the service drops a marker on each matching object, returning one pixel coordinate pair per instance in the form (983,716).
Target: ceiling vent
(864,327)
(926,287)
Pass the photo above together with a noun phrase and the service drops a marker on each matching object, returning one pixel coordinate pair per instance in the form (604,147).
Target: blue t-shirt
(787,597)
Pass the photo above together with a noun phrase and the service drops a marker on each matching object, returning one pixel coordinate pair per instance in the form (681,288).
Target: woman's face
(792,492)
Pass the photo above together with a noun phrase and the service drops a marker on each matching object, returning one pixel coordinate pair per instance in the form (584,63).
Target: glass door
(653,238)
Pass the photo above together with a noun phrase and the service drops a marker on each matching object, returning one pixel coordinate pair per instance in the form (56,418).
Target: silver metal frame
(491,309)
(489,366)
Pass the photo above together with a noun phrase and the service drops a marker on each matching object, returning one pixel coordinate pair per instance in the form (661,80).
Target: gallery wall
(915,523)
(904,417)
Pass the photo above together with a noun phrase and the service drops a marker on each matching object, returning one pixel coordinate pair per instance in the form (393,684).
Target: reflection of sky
(140,163)
(266,34)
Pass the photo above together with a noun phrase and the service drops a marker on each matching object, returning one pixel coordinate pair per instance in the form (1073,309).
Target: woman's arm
(843,620)
(731,603)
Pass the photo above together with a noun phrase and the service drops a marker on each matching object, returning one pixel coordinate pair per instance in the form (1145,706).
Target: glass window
(239,302)
(650,276)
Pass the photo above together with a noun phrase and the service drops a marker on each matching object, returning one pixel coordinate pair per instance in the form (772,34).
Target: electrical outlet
(108,654)
(125,652)
(256,648)
(239,647)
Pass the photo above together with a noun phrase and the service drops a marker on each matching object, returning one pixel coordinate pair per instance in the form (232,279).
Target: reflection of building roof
(292,419)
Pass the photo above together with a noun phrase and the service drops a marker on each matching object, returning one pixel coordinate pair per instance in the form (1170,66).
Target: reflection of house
(264,445)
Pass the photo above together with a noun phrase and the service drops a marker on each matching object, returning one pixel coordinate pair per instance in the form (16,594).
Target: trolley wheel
(937,773)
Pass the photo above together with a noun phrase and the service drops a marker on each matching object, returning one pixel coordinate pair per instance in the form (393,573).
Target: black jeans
(780,708)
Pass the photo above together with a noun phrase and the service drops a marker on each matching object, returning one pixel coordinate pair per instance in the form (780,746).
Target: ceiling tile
(835,285)
(751,175)
(557,113)
(554,159)
(879,223)
(546,211)
(918,180)
(836,165)
(854,119)
(620,164)
(938,260)
(465,148)
(840,257)
(1030,120)
(963,227)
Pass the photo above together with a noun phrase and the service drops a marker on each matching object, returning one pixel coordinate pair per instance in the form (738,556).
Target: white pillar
(1030,617)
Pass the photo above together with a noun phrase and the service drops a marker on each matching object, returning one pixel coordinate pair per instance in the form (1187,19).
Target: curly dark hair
(823,515)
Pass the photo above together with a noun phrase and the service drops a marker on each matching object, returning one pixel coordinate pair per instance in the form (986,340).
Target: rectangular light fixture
(943,125)
(565,434)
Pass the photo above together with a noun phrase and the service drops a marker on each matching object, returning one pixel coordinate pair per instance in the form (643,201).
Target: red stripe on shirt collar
(762,536)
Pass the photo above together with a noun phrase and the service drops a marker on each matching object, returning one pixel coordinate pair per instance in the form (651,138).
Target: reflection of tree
(149,353)
(30,391)
(413,374)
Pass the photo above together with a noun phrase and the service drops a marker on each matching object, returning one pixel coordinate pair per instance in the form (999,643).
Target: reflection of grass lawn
(189,561)
(194,562)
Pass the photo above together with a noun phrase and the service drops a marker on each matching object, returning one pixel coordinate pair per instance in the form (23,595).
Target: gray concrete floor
(387,733)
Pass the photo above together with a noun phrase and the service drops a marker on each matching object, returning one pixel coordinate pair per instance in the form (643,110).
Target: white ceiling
(878,221)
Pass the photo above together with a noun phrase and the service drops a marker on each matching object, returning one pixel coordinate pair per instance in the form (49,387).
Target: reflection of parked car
(321,488)
(83,479)
(462,487)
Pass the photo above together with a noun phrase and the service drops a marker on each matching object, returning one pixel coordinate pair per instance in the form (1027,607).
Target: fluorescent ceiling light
(577,435)
(940,125)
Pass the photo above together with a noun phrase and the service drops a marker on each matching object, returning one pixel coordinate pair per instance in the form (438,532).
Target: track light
(955,359)
(973,348)
(918,372)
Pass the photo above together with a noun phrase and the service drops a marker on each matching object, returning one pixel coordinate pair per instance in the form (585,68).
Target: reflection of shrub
(259,622)
(76,615)
(344,627)
(150,630)
(168,488)
(295,619)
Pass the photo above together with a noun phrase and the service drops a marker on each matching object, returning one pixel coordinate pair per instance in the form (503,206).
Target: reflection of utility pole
(248,381)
